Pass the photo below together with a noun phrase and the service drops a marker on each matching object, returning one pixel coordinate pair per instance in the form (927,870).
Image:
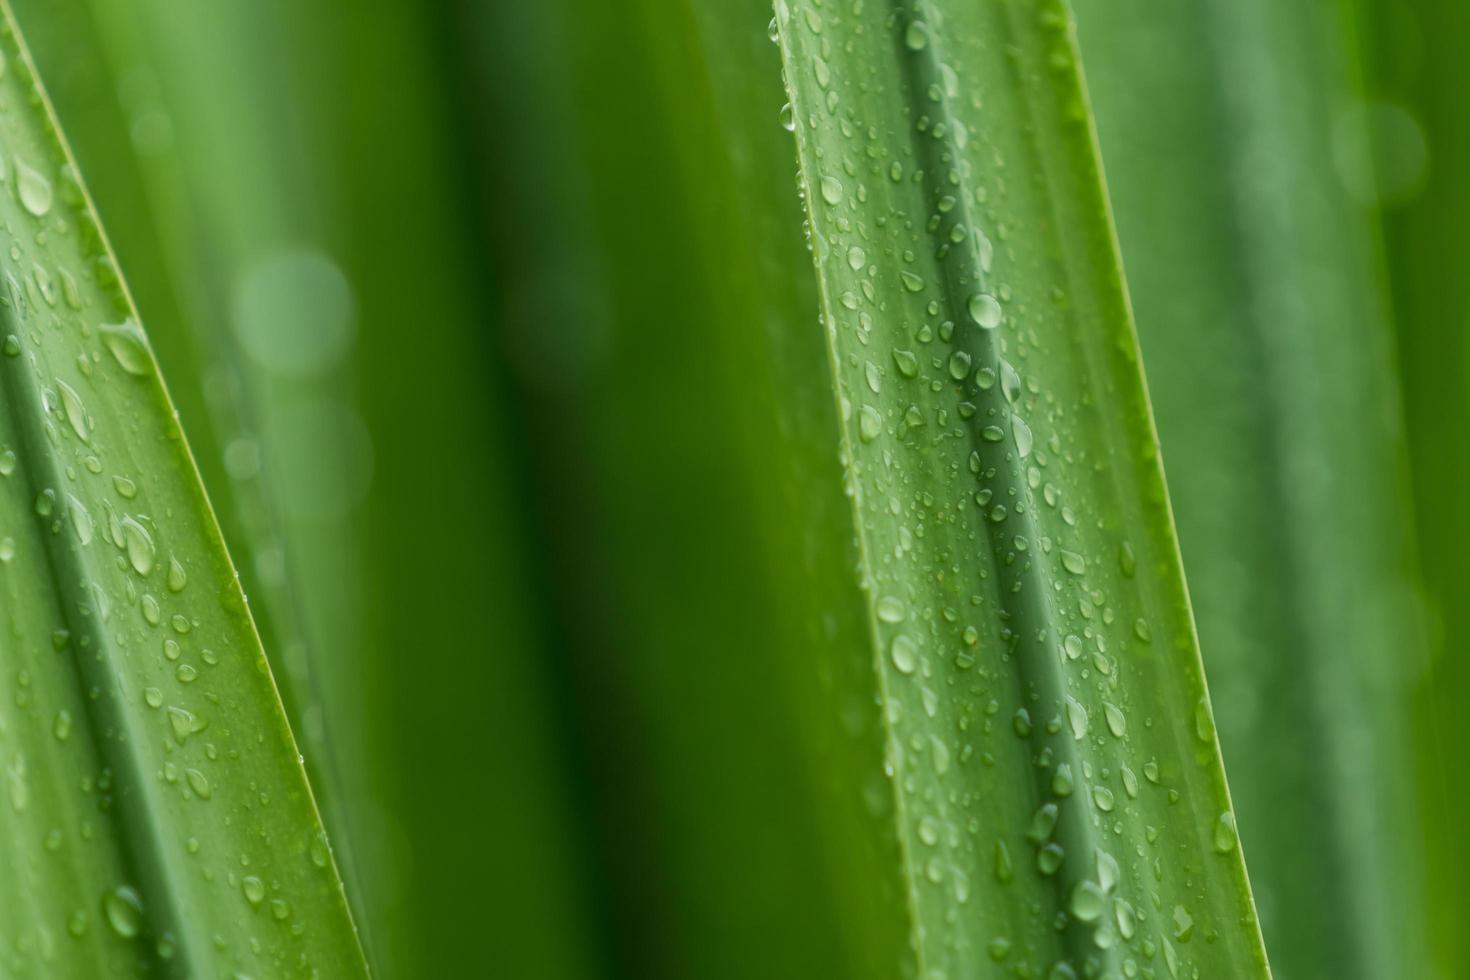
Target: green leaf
(158,815)
(1054,762)
(1418,67)
(1256,280)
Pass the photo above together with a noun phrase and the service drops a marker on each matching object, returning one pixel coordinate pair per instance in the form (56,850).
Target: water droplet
(81,520)
(1061,781)
(1088,901)
(139,544)
(959,365)
(253,888)
(1004,870)
(891,609)
(1073,562)
(181,720)
(1077,718)
(907,363)
(985,311)
(198,783)
(910,281)
(1126,918)
(61,726)
(788,118)
(127,345)
(1049,859)
(1022,433)
(76,412)
(831,189)
(1117,724)
(1103,798)
(177,577)
(870,423)
(916,38)
(905,655)
(1183,924)
(123,909)
(1225,833)
(35,190)
(1204,722)
(857,257)
(1127,562)
(1043,822)
(1010,381)
(316,849)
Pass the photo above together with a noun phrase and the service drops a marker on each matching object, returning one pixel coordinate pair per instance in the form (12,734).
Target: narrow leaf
(1053,754)
(159,818)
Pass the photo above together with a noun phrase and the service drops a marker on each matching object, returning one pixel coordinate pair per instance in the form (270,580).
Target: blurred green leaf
(1417,57)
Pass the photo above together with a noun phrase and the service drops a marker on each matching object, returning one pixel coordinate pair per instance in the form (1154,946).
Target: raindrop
(985,311)
(123,909)
(35,190)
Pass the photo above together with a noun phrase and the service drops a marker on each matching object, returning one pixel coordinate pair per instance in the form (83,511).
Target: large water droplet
(127,345)
(123,909)
(985,311)
(35,190)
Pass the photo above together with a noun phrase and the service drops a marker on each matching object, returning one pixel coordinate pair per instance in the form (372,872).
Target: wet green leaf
(158,818)
(1052,752)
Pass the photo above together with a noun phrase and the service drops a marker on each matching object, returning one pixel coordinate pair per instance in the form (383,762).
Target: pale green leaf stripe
(156,817)
(1053,759)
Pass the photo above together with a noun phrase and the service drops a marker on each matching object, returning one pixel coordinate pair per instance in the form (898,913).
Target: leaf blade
(193,813)
(1001,457)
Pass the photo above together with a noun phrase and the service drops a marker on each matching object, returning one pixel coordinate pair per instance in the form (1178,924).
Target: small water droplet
(253,888)
(788,118)
(831,189)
